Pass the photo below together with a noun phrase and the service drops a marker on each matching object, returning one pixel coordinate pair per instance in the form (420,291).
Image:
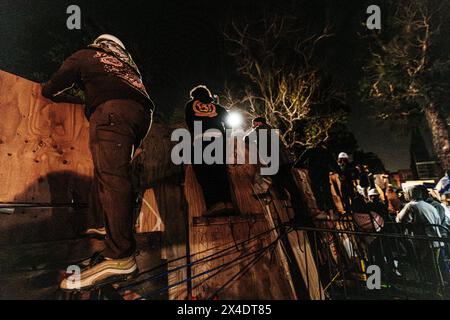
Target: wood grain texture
(212,267)
(165,194)
(271,277)
(44,158)
(149,219)
(44,154)
(304,185)
(297,246)
(264,280)
(336,193)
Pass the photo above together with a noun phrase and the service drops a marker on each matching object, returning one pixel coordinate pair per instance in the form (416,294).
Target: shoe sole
(93,233)
(116,279)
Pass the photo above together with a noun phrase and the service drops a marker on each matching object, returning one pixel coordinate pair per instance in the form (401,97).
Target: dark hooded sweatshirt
(212,116)
(101,76)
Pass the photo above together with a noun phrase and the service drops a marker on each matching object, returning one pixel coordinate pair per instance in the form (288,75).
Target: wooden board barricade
(265,280)
(164,206)
(44,158)
(273,275)
(44,153)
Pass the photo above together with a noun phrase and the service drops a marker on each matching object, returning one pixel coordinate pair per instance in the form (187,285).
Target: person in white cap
(343,156)
(109,37)
(375,204)
(374,193)
(384,246)
(120,111)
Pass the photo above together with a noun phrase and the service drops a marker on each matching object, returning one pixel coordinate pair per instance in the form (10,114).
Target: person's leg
(213,180)
(112,154)
(119,126)
(220,183)
(437,264)
(346,197)
(115,127)
(95,215)
(202,173)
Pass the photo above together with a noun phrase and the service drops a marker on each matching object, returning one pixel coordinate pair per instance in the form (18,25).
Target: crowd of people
(375,205)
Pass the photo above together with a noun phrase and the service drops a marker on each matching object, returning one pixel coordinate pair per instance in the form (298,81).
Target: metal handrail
(375,234)
(388,223)
(346,270)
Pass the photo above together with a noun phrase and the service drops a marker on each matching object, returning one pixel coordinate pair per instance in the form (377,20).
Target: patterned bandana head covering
(116,50)
(111,38)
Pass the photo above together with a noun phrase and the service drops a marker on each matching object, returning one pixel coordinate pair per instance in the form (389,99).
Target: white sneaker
(99,231)
(101,271)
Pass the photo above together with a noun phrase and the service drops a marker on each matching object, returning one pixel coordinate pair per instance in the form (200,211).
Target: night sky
(180,44)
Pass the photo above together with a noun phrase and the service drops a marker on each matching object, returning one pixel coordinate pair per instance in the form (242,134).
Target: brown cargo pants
(116,129)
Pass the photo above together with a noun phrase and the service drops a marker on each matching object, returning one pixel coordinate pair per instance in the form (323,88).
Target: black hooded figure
(213,178)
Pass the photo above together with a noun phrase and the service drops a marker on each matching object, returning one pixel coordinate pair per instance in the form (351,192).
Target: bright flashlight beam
(235,120)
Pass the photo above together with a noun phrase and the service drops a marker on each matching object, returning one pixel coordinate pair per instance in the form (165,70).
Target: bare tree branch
(277,58)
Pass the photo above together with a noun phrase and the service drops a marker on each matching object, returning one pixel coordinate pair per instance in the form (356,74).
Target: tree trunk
(440,136)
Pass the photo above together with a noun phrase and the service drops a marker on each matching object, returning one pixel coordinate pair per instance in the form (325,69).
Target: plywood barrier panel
(164,205)
(45,158)
(213,267)
(149,219)
(44,154)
